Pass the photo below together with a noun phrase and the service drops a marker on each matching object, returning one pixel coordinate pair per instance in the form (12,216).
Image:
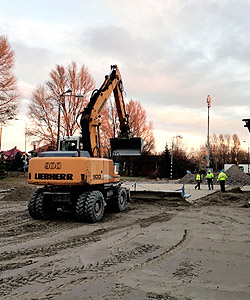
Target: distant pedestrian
(222,177)
(210,178)
(198,180)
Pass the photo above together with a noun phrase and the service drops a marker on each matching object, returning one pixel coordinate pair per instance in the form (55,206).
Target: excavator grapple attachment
(126,146)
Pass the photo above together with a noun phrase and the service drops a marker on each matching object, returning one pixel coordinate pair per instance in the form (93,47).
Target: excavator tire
(120,202)
(44,207)
(32,204)
(80,206)
(94,206)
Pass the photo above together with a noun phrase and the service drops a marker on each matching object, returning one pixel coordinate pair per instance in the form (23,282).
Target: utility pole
(209,103)
(171,162)
(172,155)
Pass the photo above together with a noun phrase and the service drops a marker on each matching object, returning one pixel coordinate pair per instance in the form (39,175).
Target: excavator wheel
(45,209)
(120,202)
(80,206)
(94,207)
(32,204)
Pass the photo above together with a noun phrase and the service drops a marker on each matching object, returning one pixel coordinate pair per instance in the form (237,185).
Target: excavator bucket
(126,147)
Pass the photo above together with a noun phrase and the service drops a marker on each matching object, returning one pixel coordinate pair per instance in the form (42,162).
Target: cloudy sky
(171,54)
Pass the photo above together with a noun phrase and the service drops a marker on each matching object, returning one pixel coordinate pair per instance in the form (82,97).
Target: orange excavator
(77,177)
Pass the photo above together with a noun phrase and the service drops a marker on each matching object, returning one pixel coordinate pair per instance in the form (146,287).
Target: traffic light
(247,123)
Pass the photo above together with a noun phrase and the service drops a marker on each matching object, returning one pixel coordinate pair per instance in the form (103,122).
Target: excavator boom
(125,144)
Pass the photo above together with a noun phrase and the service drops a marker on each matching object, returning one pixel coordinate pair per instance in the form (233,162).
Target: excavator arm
(90,118)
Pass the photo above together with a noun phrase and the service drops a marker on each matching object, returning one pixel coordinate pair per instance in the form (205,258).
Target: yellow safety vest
(210,175)
(222,176)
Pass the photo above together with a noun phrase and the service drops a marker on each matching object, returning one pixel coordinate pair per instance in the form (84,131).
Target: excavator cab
(69,143)
(126,146)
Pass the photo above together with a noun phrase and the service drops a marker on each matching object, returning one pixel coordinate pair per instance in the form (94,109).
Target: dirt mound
(21,193)
(234,174)
(232,197)
(188,179)
(13,181)
(237,177)
(191,179)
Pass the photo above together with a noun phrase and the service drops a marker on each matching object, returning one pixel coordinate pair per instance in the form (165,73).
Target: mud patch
(150,251)
(235,197)
(187,270)
(165,296)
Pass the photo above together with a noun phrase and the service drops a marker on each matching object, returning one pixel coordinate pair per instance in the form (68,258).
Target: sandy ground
(154,250)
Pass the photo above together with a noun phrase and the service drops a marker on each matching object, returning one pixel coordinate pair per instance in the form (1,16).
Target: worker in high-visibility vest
(198,180)
(210,177)
(222,177)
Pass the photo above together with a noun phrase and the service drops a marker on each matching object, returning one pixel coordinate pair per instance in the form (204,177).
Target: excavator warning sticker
(55,176)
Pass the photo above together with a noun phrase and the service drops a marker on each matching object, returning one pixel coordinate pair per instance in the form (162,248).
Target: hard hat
(209,171)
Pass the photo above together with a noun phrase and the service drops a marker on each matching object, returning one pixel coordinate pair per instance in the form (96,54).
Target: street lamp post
(172,155)
(1,136)
(209,103)
(247,160)
(59,116)
(1,130)
(59,113)
(25,141)
(247,156)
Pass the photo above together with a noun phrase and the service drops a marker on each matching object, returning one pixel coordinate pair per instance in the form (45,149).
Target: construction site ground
(156,249)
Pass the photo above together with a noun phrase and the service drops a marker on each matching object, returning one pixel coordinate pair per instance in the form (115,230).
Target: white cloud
(171,54)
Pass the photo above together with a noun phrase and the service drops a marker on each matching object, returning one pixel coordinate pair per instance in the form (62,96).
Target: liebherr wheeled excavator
(77,177)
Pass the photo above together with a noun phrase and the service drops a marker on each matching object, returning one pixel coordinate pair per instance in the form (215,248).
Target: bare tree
(138,125)
(224,149)
(8,85)
(43,115)
(43,110)
(235,149)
